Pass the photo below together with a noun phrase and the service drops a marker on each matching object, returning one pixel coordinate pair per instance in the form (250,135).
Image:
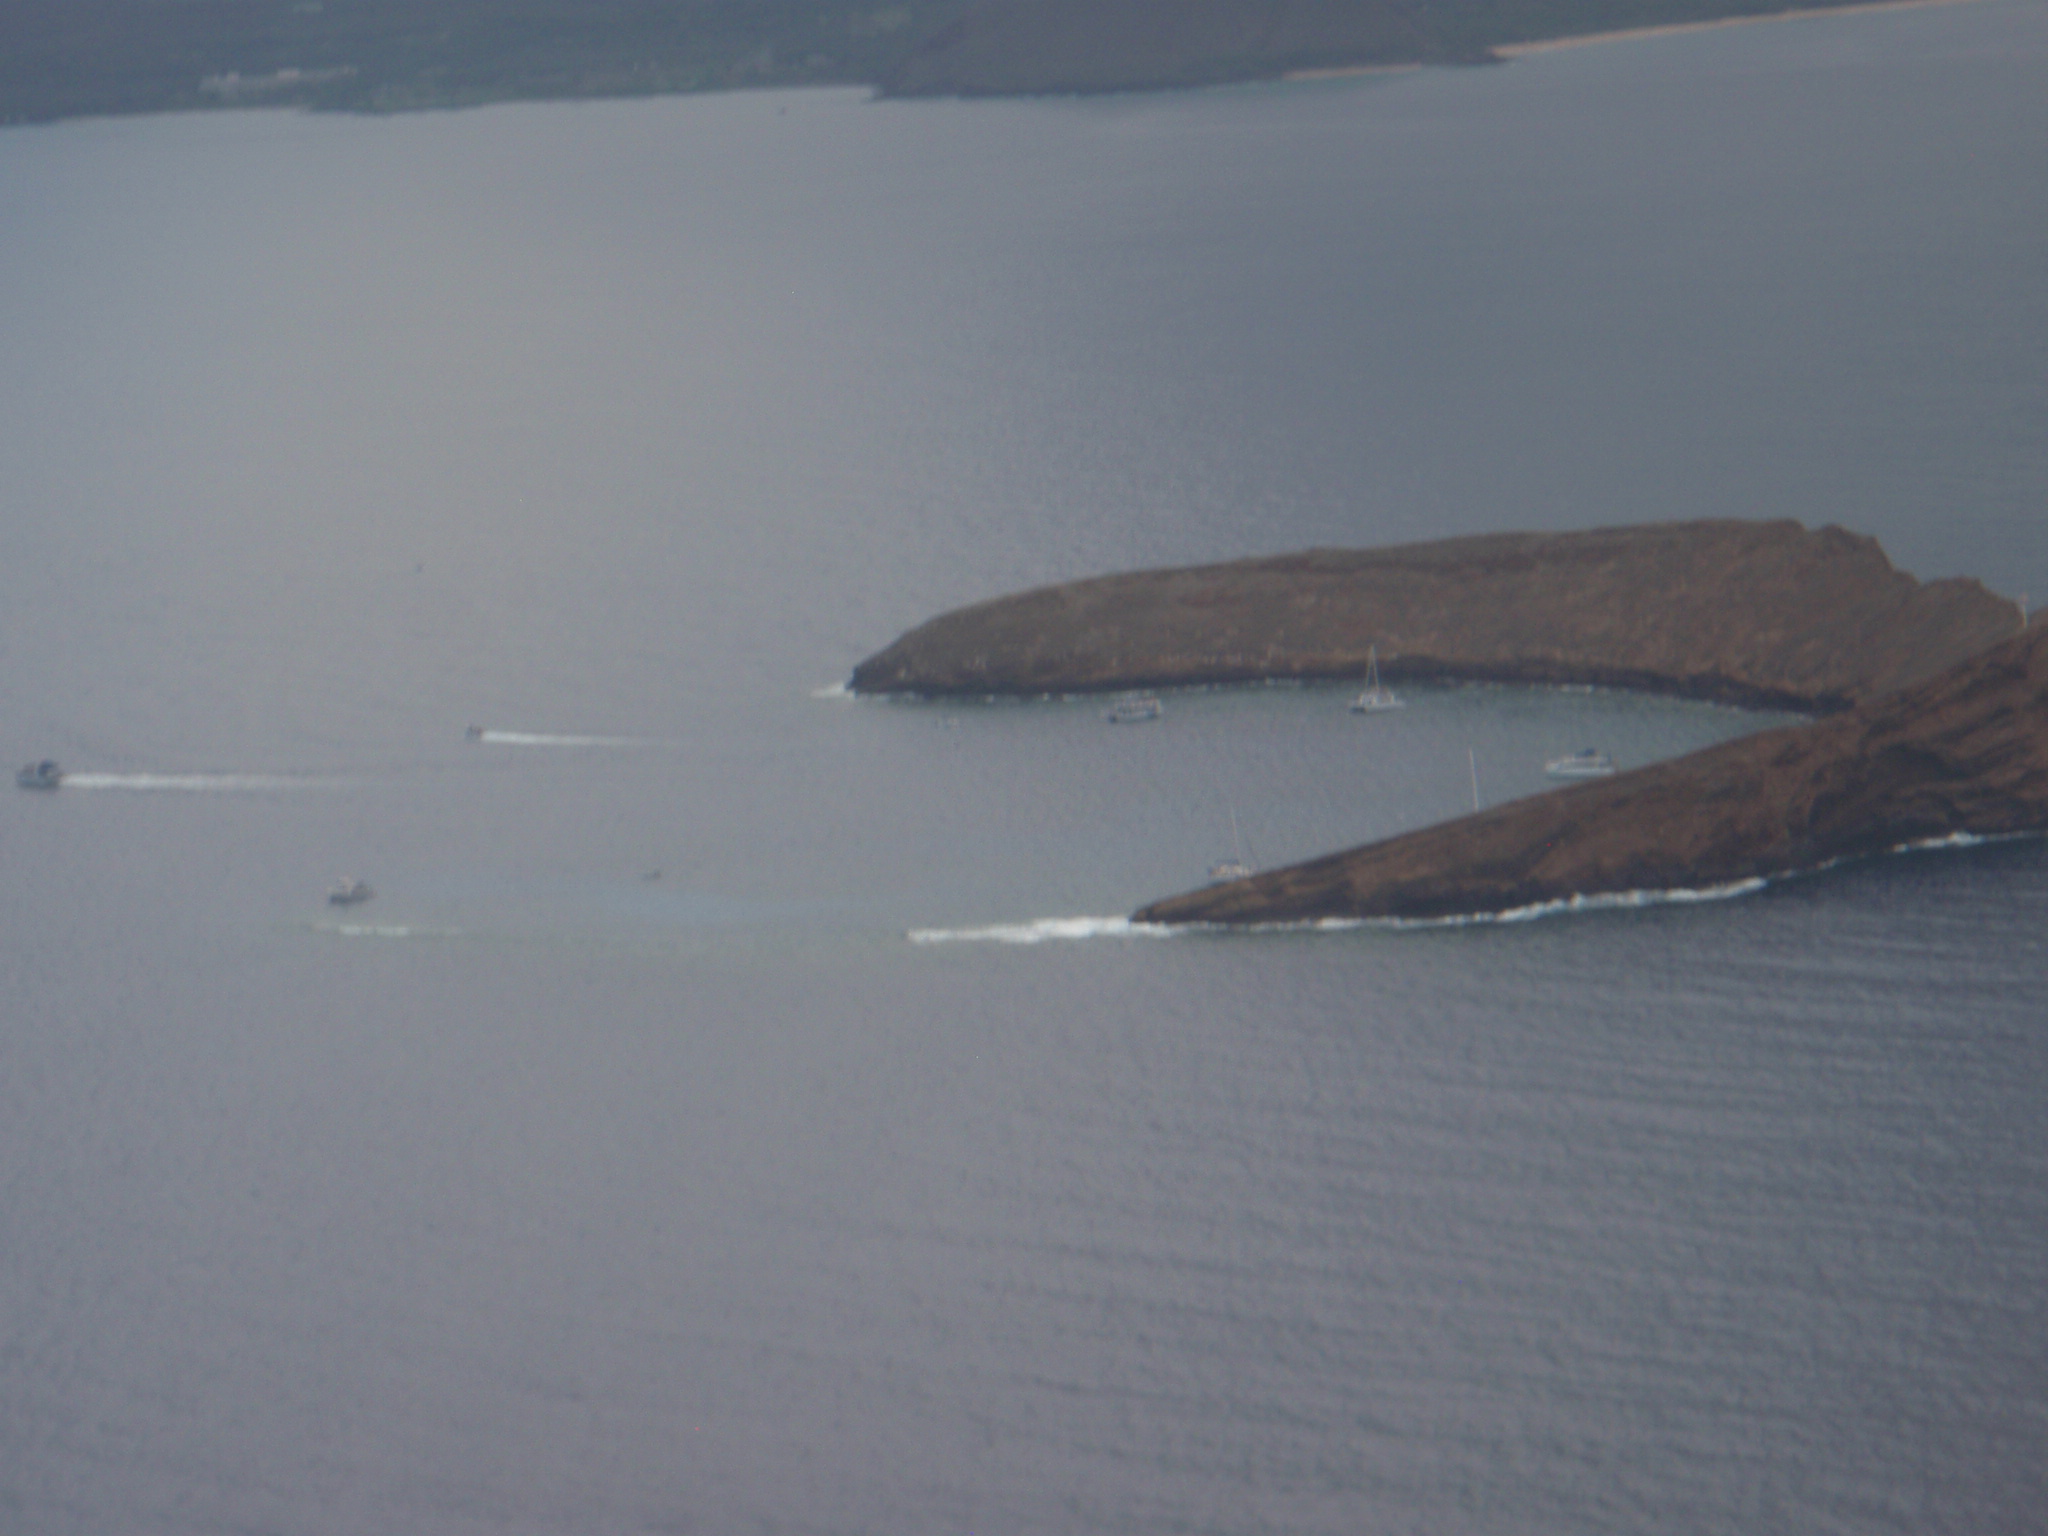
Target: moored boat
(1376,696)
(1133,707)
(1586,763)
(1237,866)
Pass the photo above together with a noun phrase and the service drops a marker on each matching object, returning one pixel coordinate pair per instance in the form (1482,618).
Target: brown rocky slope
(1757,613)
(1962,753)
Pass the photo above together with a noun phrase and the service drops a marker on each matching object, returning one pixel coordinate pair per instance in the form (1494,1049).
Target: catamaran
(1377,696)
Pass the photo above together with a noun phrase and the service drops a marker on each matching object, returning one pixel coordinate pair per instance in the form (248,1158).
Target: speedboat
(1586,763)
(1133,707)
(472,733)
(346,893)
(43,775)
(1377,696)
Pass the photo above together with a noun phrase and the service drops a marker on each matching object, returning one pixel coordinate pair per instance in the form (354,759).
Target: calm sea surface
(709,1127)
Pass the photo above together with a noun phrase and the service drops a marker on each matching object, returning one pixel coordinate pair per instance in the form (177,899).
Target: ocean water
(741,1107)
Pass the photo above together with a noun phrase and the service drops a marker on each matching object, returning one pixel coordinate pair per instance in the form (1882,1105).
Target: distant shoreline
(1506,51)
(1631,34)
(217,56)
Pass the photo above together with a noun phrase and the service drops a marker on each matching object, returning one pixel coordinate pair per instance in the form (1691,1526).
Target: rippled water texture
(632,1161)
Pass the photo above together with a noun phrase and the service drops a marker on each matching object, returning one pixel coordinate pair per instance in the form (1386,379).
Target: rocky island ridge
(1761,614)
(1962,755)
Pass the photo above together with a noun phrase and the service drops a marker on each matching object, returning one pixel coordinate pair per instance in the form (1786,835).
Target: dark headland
(1761,614)
(1961,754)
(70,58)
(1934,697)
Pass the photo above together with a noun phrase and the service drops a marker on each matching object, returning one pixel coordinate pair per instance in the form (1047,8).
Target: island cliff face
(1760,614)
(1962,753)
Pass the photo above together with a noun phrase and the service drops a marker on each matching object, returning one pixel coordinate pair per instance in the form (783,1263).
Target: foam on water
(543,739)
(382,931)
(1043,929)
(194,783)
(834,691)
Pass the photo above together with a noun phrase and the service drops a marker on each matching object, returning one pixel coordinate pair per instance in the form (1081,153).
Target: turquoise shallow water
(625,1165)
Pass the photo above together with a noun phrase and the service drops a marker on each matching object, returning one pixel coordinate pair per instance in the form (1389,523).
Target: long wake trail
(197,783)
(549,739)
(1043,930)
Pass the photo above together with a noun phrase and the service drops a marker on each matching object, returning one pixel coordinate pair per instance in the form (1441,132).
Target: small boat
(1377,696)
(1133,707)
(43,775)
(1223,871)
(346,893)
(472,733)
(1586,763)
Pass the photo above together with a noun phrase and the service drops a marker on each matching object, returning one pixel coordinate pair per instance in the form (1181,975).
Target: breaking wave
(834,691)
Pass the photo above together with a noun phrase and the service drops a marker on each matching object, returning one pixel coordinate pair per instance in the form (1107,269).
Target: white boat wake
(196,783)
(544,739)
(1043,930)
(384,931)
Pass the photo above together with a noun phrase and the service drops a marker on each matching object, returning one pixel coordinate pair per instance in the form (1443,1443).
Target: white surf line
(1042,930)
(834,691)
(1046,929)
(1606,901)
(194,783)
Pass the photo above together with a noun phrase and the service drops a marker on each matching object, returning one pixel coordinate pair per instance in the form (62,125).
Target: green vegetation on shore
(71,58)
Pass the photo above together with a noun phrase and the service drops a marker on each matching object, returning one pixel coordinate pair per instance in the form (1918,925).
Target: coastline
(1767,615)
(1957,759)
(1673,29)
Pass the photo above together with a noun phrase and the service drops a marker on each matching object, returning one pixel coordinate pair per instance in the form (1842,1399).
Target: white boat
(1133,707)
(43,775)
(1377,696)
(1236,867)
(346,893)
(1586,763)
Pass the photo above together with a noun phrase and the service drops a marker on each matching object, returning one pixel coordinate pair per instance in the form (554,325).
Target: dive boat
(346,893)
(43,775)
(1133,707)
(1377,696)
(1586,763)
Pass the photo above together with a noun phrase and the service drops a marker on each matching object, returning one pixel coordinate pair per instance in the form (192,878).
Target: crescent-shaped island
(1933,698)
(1765,614)
(1961,756)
